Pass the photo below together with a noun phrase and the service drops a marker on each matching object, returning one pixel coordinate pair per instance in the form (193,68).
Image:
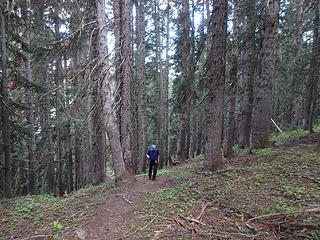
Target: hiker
(153,156)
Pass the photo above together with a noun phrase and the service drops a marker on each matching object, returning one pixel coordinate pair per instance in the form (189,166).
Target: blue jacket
(153,154)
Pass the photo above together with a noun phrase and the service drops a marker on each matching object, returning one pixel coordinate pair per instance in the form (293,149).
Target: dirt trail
(112,218)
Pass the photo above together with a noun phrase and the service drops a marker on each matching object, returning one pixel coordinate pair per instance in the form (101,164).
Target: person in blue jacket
(154,157)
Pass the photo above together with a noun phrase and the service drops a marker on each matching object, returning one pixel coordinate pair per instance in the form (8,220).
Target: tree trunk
(229,136)
(78,154)
(70,158)
(78,162)
(98,129)
(29,105)
(193,132)
(58,188)
(181,144)
(261,114)
(47,133)
(126,128)
(46,113)
(186,82)
(21,188)
(191,124)
(296,65)
(188,132)
(313,78)
(124,76)
(109,114)
(199,133)
(159,80)
(5,111)
(216,76)
(141,76)
(165,96)
(118,32)
(246,82)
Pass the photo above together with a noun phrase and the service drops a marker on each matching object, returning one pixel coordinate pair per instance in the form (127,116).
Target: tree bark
(188,132)
(181,144)
(5,109)
(46,113)
(190,121)
(69,156)
(261,114)
(98,128)
(247,80)
(229,137)
(141,78)
(29,103)
(313,78)
(296,65)
(165,97)
(124,76)
(159,82)
(193,132)
(199,133)
(187,76)
(109,114)
(58,187)
(78,154)
(78,162)
(216,76)
(118,32)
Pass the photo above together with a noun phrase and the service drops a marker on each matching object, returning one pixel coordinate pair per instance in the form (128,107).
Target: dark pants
(154,165)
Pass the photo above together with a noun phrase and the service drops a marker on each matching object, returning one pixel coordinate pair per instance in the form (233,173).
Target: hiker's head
(153,147)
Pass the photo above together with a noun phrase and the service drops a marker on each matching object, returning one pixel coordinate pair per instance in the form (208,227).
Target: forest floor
(273,193)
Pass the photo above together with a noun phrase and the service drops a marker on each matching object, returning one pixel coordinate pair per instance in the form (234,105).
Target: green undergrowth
(292,134)
(281,137)
(57,215)
(182,171)
(282,180)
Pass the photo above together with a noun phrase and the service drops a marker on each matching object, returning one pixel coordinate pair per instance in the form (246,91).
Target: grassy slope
(282,179)
(45,215)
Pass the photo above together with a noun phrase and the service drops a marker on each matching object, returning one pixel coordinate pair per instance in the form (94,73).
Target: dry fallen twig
(228,235)
(124,198)
(194,220)
(248,225)
(202,211)
(37,236)
(179,222)
(139,229)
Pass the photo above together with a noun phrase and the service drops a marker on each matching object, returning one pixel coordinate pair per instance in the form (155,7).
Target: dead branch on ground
(123,197)
(139,229)
(252,227)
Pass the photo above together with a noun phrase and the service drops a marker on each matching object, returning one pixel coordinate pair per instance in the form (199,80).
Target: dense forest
(88,86)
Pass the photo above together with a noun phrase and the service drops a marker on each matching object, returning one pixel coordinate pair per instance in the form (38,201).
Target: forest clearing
(272,194)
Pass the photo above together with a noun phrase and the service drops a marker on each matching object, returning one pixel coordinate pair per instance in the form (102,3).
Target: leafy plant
(57,226)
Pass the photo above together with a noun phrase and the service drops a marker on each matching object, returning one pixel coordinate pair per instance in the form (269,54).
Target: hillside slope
(273,193)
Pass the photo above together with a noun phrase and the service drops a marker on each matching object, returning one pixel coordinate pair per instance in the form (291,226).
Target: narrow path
(112,218)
